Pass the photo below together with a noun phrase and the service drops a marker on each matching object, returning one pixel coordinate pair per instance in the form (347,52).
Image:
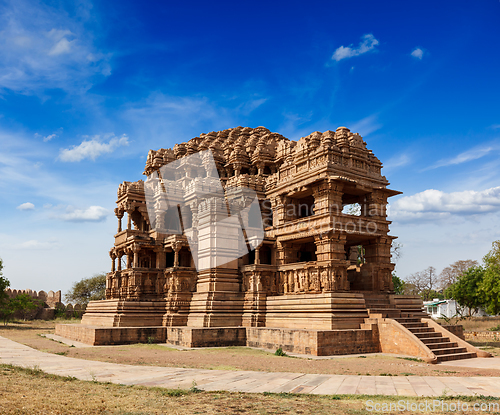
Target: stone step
(441,344)
(449,350)
(413,325)
(423,329)
(427,334)
(384,312)
(408,320)
(431,340)
(457,356)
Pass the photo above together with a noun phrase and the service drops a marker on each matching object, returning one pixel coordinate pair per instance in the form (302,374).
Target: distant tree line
(22,303)
(470,284)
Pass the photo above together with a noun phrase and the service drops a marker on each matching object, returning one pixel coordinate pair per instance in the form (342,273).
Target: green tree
(453,272)
(490,286)
(87,289)
(398,283)
(5,311)
(24,304)
(467,290)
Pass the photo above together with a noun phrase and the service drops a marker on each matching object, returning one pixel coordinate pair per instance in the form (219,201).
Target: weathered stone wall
(51,298)
(50,308)
(457,330)
(482,336)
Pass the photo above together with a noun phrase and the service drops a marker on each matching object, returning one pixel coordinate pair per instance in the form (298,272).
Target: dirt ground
(231,358)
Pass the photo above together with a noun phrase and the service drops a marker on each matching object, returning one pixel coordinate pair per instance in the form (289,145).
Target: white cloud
(49,137)
(35,56)
(368,43)
(93,148)
(91,214)
(418,53)
(366,125)
(397,161)
(469,155)
(26,206)
(34,244)
(434,204)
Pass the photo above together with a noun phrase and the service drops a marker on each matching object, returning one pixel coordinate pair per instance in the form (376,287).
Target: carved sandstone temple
(319,282)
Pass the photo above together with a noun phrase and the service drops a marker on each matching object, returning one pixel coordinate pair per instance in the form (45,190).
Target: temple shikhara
(244,237)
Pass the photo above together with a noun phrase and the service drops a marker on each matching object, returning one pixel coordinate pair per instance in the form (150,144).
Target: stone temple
(318,281)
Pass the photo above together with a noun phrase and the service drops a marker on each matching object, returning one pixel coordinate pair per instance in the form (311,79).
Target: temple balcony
(258,267)
(322,223)
(123,236)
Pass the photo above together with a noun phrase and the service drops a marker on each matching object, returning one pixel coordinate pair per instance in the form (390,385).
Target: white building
(447,308)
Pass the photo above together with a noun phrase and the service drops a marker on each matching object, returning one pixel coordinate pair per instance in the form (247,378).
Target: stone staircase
(379,307)
(410,317)
(441,346)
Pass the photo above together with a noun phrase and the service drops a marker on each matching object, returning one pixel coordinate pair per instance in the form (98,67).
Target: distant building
(448,308)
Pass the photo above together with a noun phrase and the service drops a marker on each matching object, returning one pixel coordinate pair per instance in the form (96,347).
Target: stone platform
(301,341)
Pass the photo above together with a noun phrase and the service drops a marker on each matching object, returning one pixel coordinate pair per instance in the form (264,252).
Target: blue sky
(87,88)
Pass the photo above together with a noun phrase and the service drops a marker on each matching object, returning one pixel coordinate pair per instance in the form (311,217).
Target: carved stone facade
(323,201)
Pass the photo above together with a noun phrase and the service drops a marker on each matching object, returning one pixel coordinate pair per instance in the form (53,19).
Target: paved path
(246,381)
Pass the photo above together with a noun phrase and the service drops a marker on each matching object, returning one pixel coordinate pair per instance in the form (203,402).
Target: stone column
(176,246)
(129,220)
(113,257)
(136,249)
(257,256)
(119,261)
(119,215)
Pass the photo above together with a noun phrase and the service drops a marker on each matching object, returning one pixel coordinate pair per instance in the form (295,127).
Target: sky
(87,88)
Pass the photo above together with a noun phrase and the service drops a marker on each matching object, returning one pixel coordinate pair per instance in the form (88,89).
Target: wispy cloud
(41,48)
(93,148)
(26,206)
(34,244)
(397,161)
(91,214)
(466,156)
(367,44)
(435,204)
(418,53)
(49,137)
(366,125)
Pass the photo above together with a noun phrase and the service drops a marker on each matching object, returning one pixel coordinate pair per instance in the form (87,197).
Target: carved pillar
(257,256)
(119,215)
(129,220)
(176,246)
(113,257)
(119,256)
(136,249)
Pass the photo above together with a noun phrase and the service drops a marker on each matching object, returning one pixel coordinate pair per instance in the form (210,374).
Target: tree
(453,272)
(24,304)
(399,284)
(396,251)
(87,289)
(467,290)
(490,286)
(423,283)
(4,298)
